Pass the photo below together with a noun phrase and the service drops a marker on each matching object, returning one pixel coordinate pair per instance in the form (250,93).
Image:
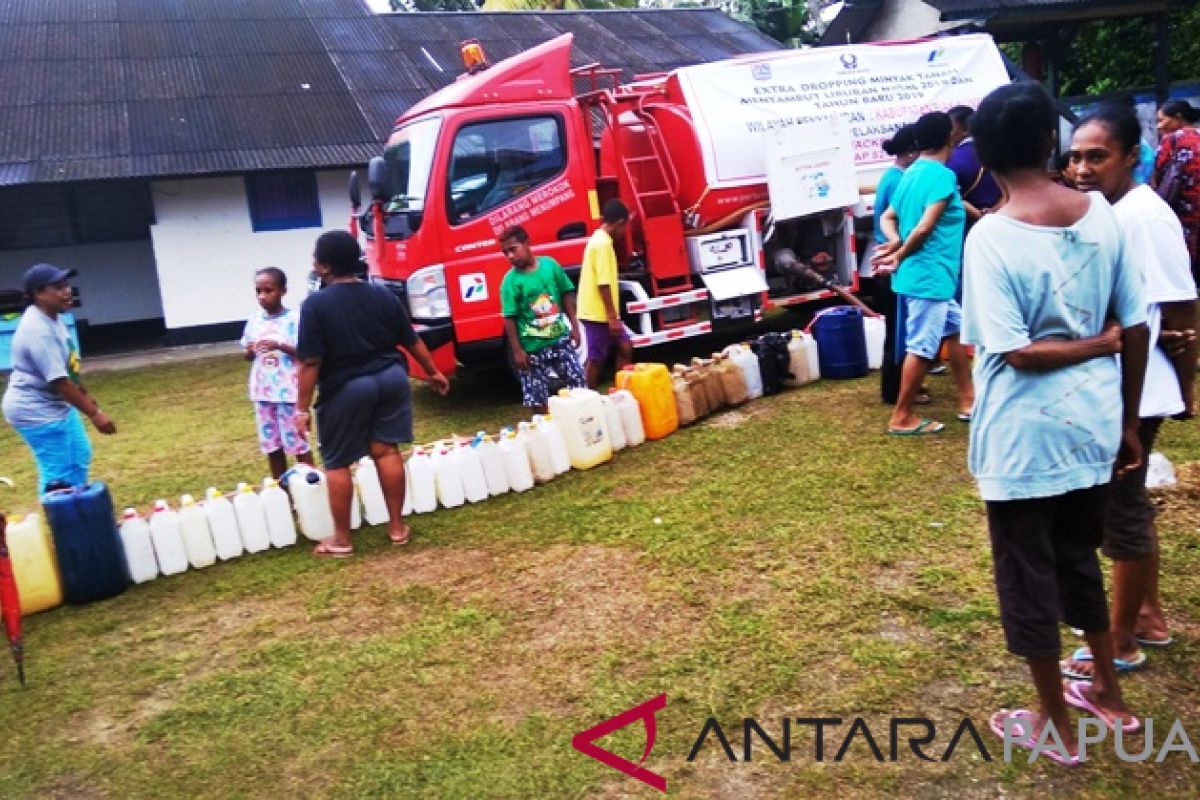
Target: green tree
(1119,53)
(782,20)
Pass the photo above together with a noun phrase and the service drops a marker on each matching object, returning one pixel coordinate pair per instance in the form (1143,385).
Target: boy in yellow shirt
(599,295)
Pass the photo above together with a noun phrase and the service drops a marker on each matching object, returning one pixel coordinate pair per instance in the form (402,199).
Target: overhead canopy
(1023,20)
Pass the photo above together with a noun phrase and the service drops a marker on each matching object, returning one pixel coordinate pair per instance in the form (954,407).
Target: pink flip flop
(326,550)
(1074,695)
(1024,720)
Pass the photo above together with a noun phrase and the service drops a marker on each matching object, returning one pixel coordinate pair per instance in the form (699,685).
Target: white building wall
(207,252)
(117,280)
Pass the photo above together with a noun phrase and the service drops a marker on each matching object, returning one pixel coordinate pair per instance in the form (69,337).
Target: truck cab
(455,173)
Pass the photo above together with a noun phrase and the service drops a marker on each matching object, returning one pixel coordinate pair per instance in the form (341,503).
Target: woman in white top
(1048,301)
(1104,152)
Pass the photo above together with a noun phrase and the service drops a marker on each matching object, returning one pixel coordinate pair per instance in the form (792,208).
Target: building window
(282,201)
(58,214)
(496,162)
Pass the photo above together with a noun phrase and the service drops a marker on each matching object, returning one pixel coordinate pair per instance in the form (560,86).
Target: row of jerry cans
(743,372)
(197,535)
(581,430)
(85,556)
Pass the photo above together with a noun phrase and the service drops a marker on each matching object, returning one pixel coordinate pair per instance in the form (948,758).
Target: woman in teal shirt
(903,148)
(924,228)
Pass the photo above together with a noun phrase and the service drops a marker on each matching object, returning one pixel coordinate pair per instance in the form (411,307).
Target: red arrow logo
(584,741)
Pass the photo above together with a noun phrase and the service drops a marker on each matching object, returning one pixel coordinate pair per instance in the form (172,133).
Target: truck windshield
(409,160)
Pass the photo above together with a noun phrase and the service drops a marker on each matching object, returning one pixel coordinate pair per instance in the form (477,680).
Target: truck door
(518,169)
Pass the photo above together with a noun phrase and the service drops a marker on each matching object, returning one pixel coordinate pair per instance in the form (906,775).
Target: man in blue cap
(45,399)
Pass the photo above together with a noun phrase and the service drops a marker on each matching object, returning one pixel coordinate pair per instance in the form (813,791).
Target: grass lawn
(783,560)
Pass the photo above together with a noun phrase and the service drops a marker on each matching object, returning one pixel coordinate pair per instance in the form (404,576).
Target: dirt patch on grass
(457,573)
(587,597)
(736,417)
(1181,501)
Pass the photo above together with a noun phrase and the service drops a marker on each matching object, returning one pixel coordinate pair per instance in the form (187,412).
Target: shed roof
(101,89)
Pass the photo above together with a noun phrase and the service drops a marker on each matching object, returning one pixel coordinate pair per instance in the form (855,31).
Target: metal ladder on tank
(662,223)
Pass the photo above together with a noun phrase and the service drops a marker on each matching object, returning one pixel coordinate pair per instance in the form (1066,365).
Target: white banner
(874,88)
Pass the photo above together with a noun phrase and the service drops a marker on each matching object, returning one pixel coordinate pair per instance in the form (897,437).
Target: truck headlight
(427,297)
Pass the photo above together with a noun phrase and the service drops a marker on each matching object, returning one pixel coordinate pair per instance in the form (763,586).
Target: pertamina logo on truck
(743,177)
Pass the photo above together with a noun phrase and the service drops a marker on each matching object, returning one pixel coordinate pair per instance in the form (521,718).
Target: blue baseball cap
(39,276)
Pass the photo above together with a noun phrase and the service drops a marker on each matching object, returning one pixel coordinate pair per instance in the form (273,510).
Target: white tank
(541,463)
(168,539)
(552,432)
(616,429)
(197,537)
(631,416)
(516,460)
(223,523)
(355,507)
(370,491)
(406,507)
(814,359)
(281,528)
(584,426)
(875,329)
(422,482)
(744,359)
(252,520)
(139,550)
(492,461)
(310,498)
(470,468)
(798,361)
(447,479)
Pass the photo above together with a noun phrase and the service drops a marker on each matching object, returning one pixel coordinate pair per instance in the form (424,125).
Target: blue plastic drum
(91,560)
(841,342)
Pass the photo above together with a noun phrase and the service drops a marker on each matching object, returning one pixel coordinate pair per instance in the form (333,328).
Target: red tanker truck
(743,178)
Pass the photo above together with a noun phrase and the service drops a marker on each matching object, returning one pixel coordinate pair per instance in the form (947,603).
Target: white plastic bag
(1160,473)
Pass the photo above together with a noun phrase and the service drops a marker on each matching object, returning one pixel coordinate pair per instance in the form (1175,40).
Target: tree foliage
(783,20)
(1119,53)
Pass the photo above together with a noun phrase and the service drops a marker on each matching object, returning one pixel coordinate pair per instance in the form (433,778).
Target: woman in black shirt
(349,335)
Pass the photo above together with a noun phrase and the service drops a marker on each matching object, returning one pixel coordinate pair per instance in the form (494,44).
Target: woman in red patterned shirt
(1177,169)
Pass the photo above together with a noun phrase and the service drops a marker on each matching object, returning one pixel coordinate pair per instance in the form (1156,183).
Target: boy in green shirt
(533,296)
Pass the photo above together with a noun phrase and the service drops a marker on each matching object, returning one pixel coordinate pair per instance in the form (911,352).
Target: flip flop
(965,416)
(1144,642)
(925,427)
(1122,665)
(923,398)
(401,539)
(1023,724)
(325,550)
(1074,695)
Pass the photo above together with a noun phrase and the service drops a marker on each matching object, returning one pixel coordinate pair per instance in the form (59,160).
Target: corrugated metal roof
(109,89)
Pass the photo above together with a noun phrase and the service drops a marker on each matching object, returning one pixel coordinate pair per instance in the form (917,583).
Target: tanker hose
(724,221)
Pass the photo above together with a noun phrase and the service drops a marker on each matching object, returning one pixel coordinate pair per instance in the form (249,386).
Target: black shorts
(1129,523)
(1046,568)
(369,408)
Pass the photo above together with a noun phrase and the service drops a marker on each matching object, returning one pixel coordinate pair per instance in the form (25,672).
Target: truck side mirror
(377,179)
(355,191)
